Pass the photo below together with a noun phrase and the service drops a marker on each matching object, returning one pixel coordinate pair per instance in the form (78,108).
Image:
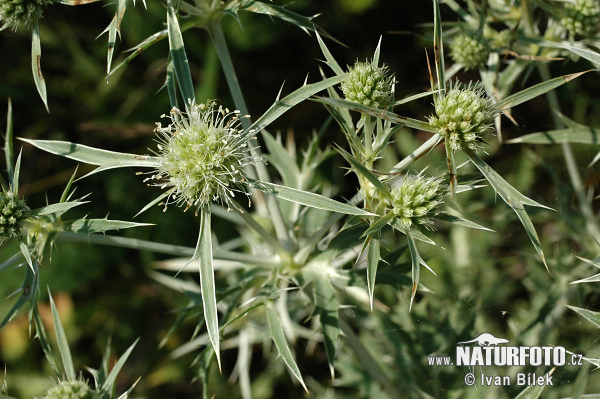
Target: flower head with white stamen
(202,155)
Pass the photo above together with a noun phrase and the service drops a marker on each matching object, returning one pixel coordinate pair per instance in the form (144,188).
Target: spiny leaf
(99,225)
(8,143)
(95,156)
(591,316)
(207,280)
(536,90)
(281,343)
(513,198)
(36,63)
(109,383)
(63,345)
(285,104)
(178,56)
(362,170)
(373,258)
(310,199)
(416,267)
(583,135)
(113,29)
(331,62)
(379,113)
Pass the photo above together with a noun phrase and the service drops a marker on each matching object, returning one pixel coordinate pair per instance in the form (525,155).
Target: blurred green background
(104,293)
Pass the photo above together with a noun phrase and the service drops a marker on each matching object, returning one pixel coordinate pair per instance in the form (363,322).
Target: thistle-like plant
(368,84)
(581,17)
(470,50)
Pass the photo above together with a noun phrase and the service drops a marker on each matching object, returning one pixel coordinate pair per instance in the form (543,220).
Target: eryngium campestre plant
(70,390)
(202,155)
(368,84)
(581,17)
(416,200)
(13,212)
(464,116)
(14,13)
(469,50)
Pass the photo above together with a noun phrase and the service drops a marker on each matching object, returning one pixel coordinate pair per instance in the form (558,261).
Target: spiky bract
(464,116)
(368,84)
(202,155)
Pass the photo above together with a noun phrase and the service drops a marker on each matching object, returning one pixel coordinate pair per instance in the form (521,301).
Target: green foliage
(313,282)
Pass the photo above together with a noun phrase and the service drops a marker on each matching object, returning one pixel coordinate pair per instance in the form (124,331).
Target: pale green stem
(168,249)
(451,168)
(368,128)
(576,181)
(272,207)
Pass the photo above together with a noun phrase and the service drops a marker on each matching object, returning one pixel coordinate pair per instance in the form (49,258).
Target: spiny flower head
(13,212)
(581,17)
(368,84)
(14,13)
(202,155)
(417,199)
(470,50)
(464,116)
(70,390)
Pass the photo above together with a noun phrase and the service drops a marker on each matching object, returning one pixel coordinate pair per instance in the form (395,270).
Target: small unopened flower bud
(70,390)
(416,200)
(368,84)
(13,212)
(464,116)
(581,17)
(202,155)
(14,13)
(469,50)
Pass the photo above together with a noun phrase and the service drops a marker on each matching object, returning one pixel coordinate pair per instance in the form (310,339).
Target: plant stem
(591,224)
(272,207)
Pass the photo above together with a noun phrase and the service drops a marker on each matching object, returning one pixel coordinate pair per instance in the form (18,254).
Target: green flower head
(416,200)
(464,116)
(581,17)
(368,84)
(13,212)
(70,390)
(202,156)
(14,13)
(469,50)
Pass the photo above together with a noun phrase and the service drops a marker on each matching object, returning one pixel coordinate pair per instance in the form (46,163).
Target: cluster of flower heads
(416,200)
(14,13)
(76,389)
(368,84)
(581,17)
(470,50)
(463,116)
(13,212)
(202,154)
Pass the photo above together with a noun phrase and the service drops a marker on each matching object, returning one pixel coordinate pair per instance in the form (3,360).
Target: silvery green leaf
(28,291)
(373,258)
(36,63)
(63,345)
(330,61)
(8,143)
(310,199)
(589,315)
(583,135)
(99,225)
(285,104)
(327,307)
(362,170)
(58,209)
(281,343)
(178,56)
(282,160)
(512,197)
(461,222)
(536,90)
(113,29)
(109,383)
(103,158)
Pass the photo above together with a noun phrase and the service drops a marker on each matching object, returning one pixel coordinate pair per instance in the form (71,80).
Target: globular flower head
(581,17)
(368,84)
(13,212)
(416,200)
(14,13)
(470,50)
(71,390)
(464,116)
(202,155)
